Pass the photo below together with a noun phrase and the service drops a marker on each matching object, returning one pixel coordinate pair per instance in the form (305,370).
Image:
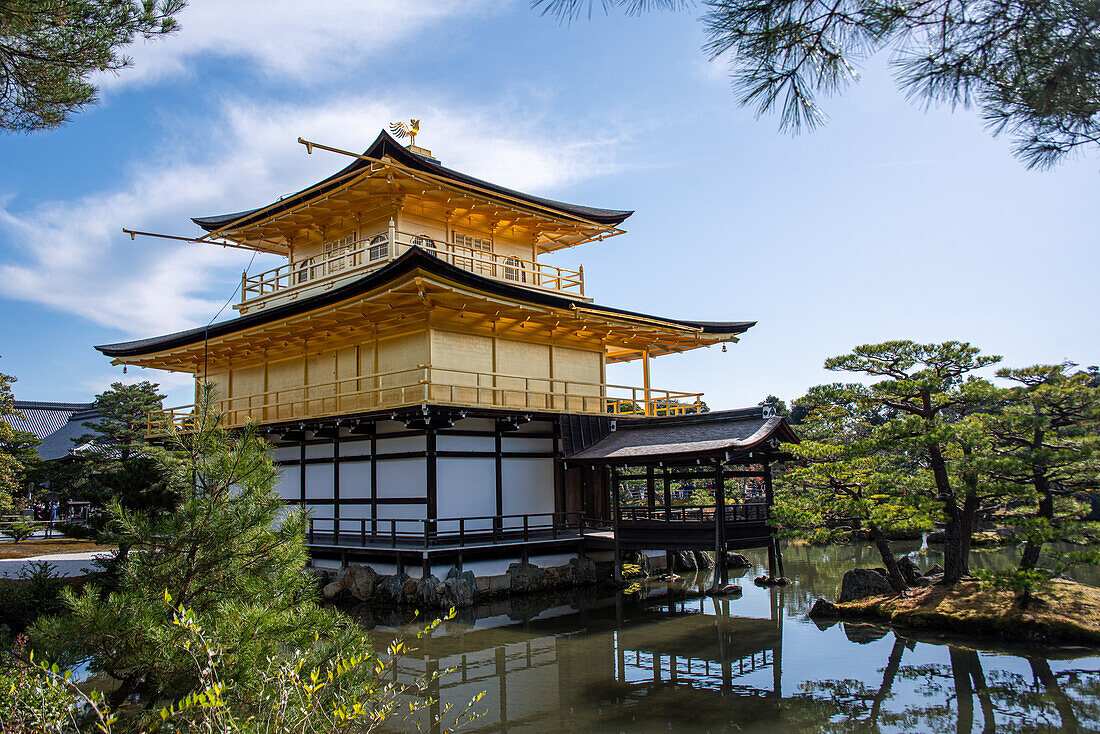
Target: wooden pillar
(668,514)
(432,509)
(336,484)
(650,490)
(374,478)
(616,516)
(772,571)
(720,571)
(645,381)
(499,464)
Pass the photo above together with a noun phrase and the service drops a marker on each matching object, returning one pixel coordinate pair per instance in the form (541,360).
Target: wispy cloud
(72,256)
(289,39)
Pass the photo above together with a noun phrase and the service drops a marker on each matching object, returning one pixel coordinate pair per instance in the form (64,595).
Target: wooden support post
(645,381)
(498,525)
(720,570)
(650,491)
(771,558)
(616,515)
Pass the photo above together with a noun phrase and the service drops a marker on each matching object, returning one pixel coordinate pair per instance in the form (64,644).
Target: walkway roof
(728,435)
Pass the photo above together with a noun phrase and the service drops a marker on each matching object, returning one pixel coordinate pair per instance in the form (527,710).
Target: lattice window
(425,243)
(379,248)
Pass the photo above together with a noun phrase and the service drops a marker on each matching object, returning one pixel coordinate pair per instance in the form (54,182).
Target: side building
(427,381)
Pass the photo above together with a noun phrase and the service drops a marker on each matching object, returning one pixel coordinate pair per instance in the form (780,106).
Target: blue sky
(890,222)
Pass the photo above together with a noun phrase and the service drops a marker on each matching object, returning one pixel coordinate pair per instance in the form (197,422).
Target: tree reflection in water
(667,659)
(959,696)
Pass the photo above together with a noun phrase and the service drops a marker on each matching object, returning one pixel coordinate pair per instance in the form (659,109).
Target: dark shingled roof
(56,424)
(60,443)
(413,259)
(682,438)
(43,418)
(385,145)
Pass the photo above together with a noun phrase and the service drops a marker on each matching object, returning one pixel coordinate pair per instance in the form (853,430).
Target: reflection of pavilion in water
(540,673)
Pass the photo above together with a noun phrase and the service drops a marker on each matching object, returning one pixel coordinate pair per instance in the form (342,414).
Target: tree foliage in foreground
(1031,68)
(229,553)
(50,49)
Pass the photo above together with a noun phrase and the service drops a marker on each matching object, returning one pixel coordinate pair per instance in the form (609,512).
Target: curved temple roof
(727,434)
(385,145)
(412,260)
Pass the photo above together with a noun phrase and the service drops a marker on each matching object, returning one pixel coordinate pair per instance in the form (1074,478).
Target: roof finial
(401,130)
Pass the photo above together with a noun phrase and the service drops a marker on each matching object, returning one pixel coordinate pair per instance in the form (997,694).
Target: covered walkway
(715,452)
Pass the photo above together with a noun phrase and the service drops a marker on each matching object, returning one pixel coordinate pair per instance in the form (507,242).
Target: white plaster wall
(287,453)
(402,478)
(319,484)
(355,480)
(319,451)
(355,448)
(528,487)
(289,486)
(444,442)
(465,488)
(530,445)
(401,444)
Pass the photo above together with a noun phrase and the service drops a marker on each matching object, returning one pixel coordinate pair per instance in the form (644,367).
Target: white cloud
(72,255)
(288,38)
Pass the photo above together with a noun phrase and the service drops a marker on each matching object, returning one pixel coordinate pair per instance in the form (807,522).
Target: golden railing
(376,250)
(436,385)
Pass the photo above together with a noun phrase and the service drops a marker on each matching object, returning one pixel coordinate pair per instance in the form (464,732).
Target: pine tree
(230,553)
(1047,442)
(49,50)
(1031,68)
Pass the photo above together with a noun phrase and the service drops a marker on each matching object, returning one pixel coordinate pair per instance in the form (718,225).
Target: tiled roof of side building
(413,259)
(385,145)
(43,418)
(687,437)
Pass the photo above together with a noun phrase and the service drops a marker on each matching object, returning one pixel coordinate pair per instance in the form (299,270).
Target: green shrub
(20,530)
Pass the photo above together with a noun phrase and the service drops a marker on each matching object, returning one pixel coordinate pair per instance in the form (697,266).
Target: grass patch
(50,546)
(1062,611)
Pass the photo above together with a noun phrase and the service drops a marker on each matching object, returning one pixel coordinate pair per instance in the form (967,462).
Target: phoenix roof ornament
(402,131)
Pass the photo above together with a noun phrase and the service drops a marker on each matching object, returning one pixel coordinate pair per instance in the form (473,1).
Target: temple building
(438,395)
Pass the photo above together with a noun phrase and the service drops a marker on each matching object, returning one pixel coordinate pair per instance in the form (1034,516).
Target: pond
(665,658)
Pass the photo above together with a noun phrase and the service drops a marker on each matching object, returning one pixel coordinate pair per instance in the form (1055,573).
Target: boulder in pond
(427,592)
(524,577)
(862,582)
(455,593)
(703,560)
(824,609)
(736,560)
(936,570)
(333,590)
(466,576)
(391,589)
(684,561)
(359,581)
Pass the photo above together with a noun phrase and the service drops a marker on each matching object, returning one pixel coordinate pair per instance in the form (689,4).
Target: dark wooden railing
(450,531)
(742,512)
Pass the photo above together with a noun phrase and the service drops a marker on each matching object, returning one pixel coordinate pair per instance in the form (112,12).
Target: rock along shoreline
(1062,612)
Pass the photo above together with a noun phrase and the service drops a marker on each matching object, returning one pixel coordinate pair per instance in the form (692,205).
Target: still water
(665,658)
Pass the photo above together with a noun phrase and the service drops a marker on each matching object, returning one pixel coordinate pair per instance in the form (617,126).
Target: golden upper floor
(390,199)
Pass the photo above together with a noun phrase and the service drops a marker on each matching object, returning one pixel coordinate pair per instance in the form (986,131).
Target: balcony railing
(427,384)
(372,252)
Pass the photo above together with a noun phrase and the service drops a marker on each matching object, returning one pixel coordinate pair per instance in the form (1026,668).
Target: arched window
(379,248)
(303,271)
(512,270)
(425,243)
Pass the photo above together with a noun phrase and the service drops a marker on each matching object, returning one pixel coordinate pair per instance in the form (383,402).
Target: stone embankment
(458,589)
